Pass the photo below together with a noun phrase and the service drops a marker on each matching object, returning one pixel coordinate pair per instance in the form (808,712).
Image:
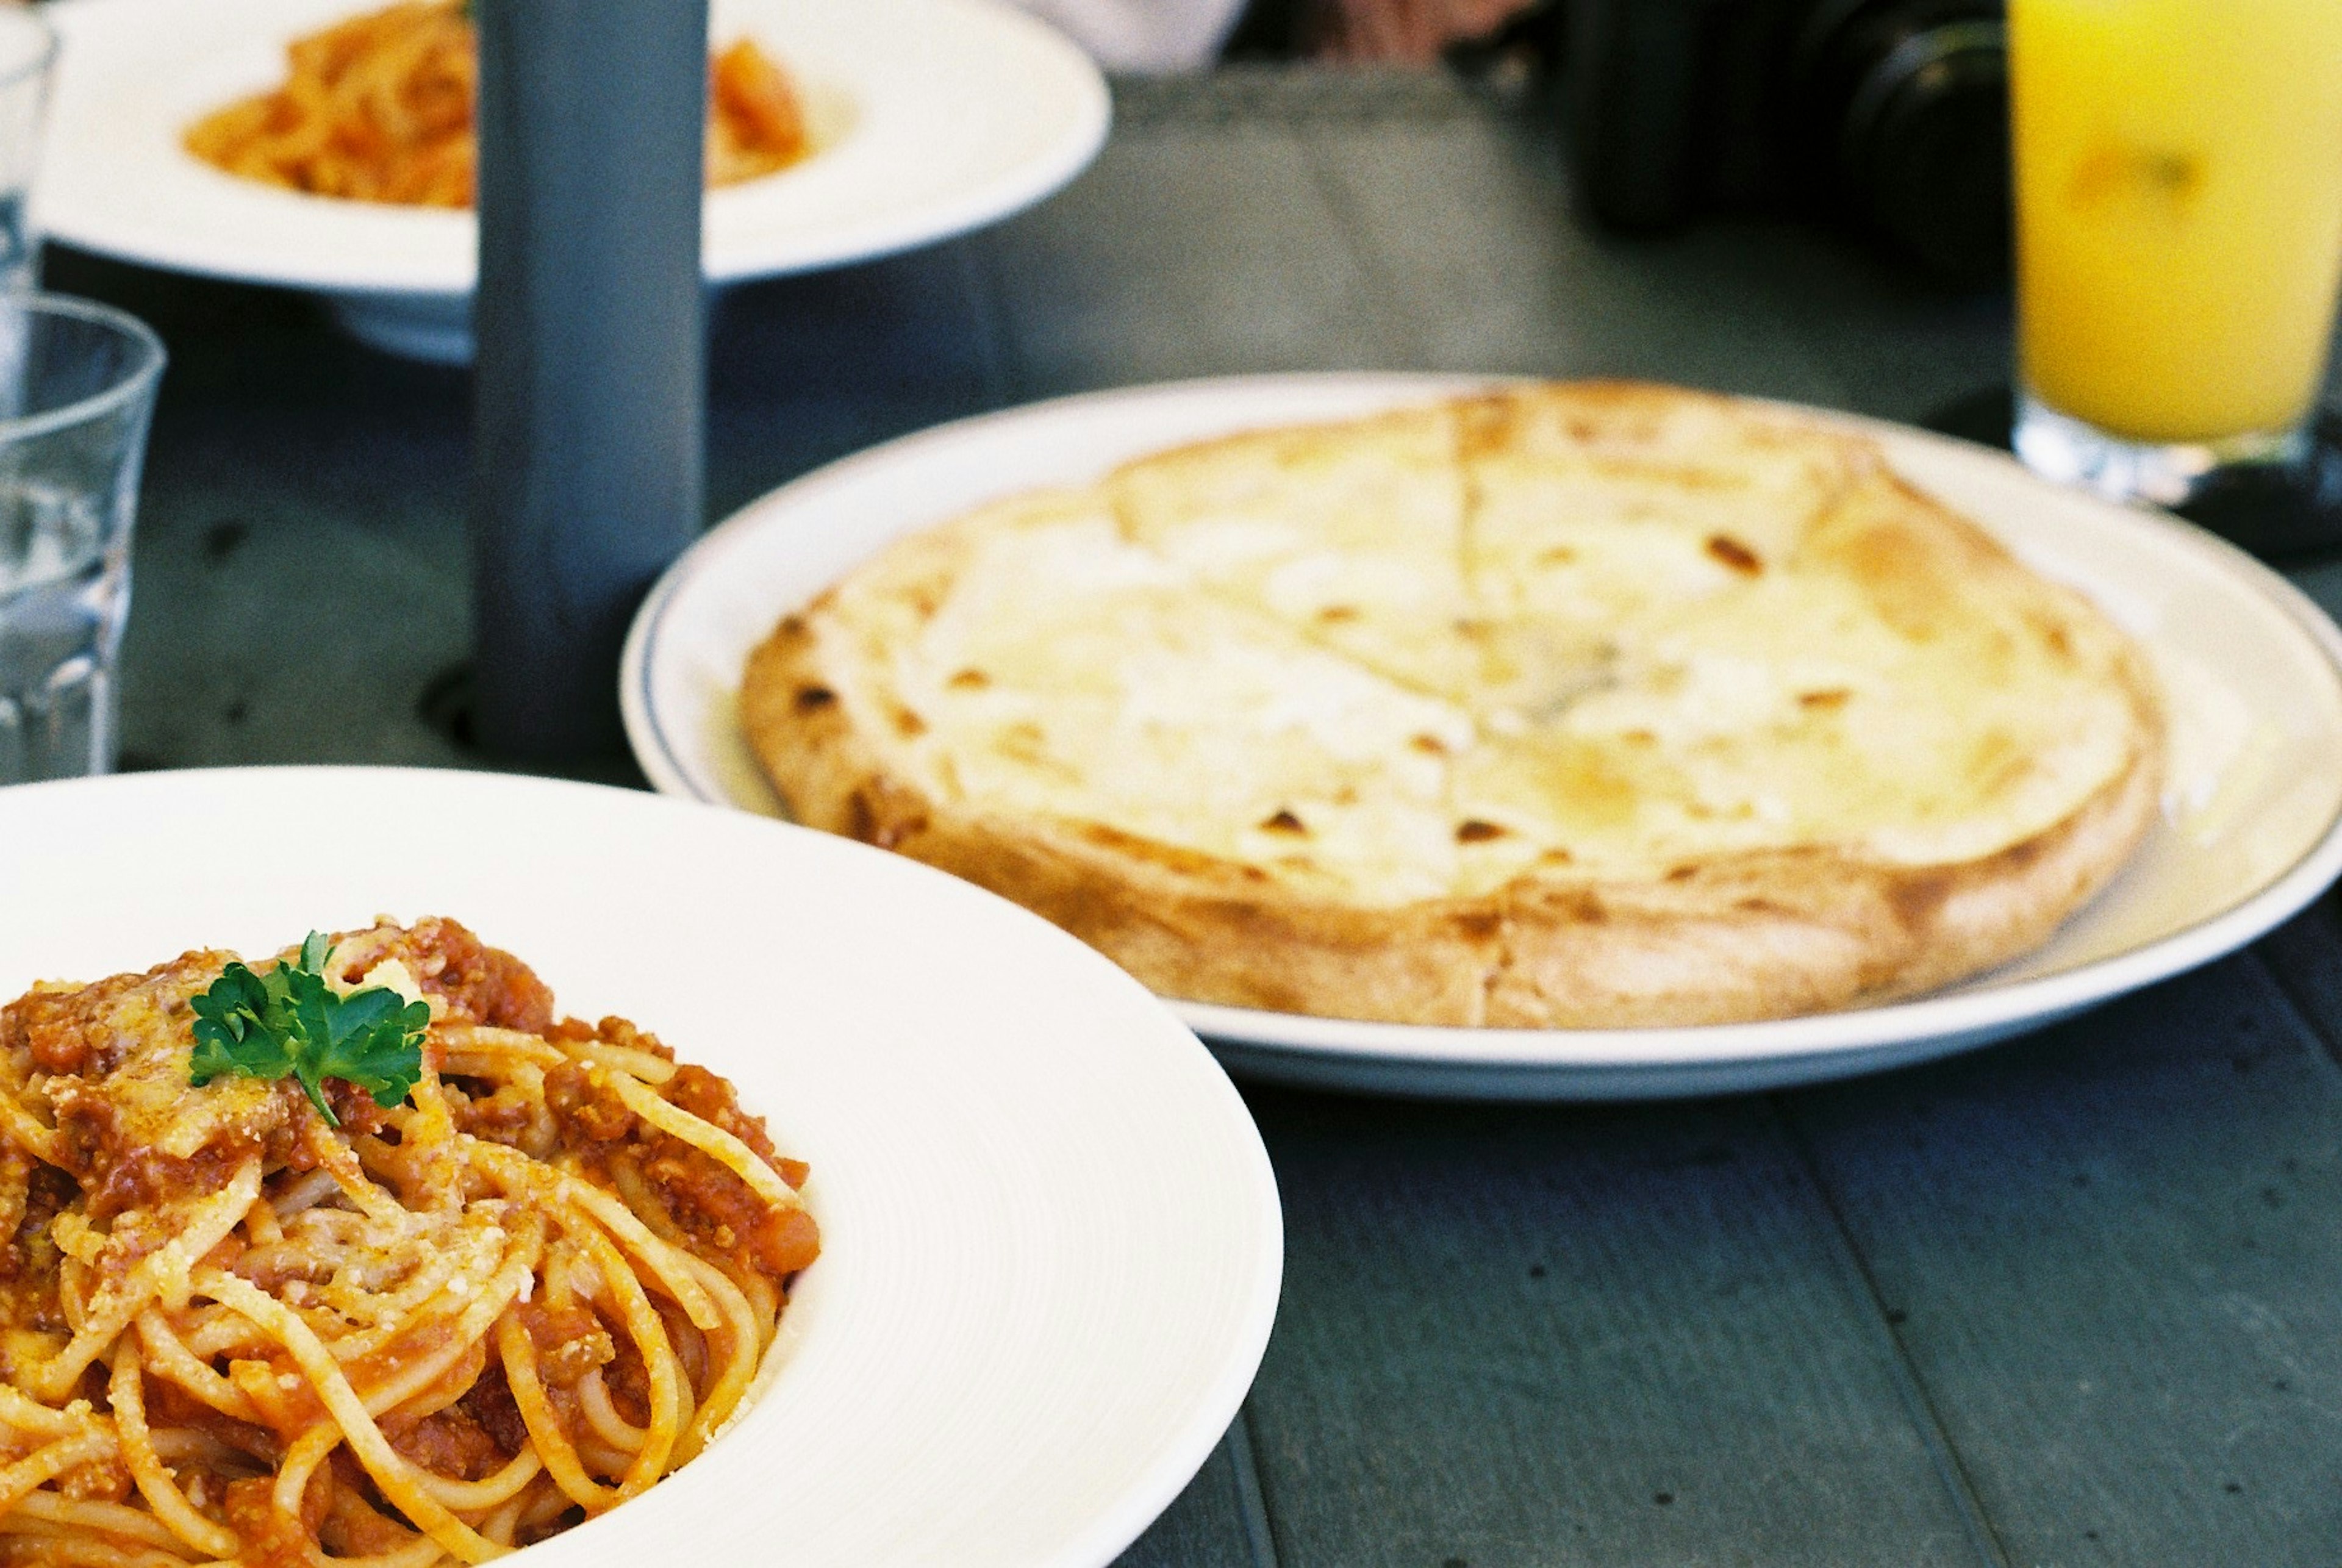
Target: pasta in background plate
(380,108)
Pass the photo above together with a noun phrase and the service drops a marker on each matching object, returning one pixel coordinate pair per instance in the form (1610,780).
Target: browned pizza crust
(1718,937)
(1760,936)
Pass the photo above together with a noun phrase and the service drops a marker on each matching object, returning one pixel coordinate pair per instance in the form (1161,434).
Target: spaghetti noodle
(233,1331)
(380,108)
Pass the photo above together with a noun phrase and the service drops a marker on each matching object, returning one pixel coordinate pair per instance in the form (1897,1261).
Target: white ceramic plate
(2251,828)
(1051,1239)
(933,118)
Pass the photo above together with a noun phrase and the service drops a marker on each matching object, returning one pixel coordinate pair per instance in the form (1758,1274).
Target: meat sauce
(482,985)
(124,1139)
(111,1059)
(703,1197)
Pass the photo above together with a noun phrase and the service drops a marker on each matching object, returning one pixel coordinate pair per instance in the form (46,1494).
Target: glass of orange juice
(2179,233)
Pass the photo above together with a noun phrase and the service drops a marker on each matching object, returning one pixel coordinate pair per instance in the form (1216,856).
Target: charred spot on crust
(1835,697)
(1334,614)
(1579,908)
(1284,821)
(1732,552)
(908,725)
(861,821)
(793,626)
(1916,899)
(1682,873)
(969,680)
(1479,923)
(1478,832)
(812,699)
(1429,745)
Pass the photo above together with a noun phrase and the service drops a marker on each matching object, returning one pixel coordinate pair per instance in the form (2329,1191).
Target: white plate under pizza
(2247,669)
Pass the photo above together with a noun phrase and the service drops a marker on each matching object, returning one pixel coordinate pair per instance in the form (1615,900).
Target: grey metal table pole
(590,379)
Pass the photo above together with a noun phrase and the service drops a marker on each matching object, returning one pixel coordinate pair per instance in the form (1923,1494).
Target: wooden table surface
(2073,1300)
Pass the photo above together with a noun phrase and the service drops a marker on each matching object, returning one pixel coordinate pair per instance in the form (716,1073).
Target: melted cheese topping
(1422,655)
(144,1102)
(1073,674)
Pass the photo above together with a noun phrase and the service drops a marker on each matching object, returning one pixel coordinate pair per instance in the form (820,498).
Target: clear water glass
(28,49)
(78,385)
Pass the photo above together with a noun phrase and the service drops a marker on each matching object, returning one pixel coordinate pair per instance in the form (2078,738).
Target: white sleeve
(1143,35)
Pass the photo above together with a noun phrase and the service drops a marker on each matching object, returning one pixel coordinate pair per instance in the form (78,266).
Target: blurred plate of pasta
(921,119)
(1049,1237)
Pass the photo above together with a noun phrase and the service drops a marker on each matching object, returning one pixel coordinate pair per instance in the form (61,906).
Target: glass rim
(135,382)
(40,62)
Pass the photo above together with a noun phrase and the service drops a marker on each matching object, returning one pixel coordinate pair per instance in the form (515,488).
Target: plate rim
(1461,1051)
(1213,1406)
(1089,104)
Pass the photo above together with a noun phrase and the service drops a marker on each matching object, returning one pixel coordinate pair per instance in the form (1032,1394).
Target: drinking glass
(2179,234)
(27,47)
(77,390)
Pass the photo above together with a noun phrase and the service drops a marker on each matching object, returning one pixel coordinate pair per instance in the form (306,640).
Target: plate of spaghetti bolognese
(325,144)
(591,1201)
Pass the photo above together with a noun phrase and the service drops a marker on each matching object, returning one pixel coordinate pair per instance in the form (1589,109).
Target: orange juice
(2178,209)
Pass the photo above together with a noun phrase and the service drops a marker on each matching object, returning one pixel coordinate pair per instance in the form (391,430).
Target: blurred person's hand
(1411,31)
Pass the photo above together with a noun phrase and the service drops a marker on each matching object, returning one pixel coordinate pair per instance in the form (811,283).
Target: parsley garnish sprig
(290,1022)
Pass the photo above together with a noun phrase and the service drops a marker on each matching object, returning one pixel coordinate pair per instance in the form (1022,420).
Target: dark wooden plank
(1200,243)
(2305,955)
(1465,219)
(2112,1256)
(299,565)
(1468,217)
(1216,1523)
(2322,584)
(1307,220)
(1897,348)
(1516,1335)
(807,369)
(264,633)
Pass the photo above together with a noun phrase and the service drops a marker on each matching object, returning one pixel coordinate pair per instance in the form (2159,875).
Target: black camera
(1890,114)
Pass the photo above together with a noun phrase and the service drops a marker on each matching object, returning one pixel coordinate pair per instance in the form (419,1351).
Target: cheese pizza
(1560,706)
